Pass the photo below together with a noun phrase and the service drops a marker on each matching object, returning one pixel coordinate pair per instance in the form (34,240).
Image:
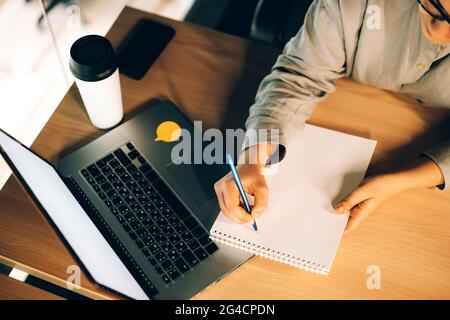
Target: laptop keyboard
(160,225)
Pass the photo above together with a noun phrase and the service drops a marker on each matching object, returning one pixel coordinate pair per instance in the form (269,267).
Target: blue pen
(240,188)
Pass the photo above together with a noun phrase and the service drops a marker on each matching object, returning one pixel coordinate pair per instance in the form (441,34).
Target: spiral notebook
(300,228)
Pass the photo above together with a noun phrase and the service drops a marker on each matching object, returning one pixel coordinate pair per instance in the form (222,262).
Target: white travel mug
(94,64)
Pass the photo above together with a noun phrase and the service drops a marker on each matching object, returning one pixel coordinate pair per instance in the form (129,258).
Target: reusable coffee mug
(94,64)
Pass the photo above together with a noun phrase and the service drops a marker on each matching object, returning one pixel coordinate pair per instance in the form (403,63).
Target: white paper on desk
(300,228)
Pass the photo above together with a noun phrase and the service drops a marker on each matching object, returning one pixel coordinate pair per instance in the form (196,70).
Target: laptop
(136,222)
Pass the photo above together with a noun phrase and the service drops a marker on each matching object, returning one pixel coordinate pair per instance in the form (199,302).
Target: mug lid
(92,58)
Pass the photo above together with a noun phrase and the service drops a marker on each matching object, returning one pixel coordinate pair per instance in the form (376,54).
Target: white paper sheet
(300,227)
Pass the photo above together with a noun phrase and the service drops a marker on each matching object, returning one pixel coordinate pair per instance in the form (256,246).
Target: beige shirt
(375,42)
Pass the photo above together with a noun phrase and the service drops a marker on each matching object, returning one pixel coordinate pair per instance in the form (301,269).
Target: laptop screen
(72,221)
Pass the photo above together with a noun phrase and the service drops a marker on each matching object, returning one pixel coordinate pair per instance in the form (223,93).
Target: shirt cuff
(441,155)
(262,129)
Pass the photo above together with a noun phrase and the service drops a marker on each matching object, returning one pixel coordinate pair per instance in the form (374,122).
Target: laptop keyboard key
(186,236)
(174,274)
(122,157)
(117,201)
(112,194)
(100,179)
(167,265)
(201,254)
(160,238)
(131,168)
(193,244)
(154,248)
(161,222)
(120,219)
(133,154)
(106,170)
(140,214)
(190,258)
(90,180)
(106,186)
(135,206)
(181,265)
(147,222)
(124,210)
(137,175)
(120,170)
(152,261)
(180,246)
(173,254)
(160,256)
(140,244)
(167,230)
(141,160)
(204,240)
(174,238)
(210,248)
(149,206)
(117,185)
(114,163)
(166,278)
(180,228)
(101,163)
(148,240)
(143,183)
(159,269)
(129,216)
(154,230)
(141,232)
(93,170)
(125,177)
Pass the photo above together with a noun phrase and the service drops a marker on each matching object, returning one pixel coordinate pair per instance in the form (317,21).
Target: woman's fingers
(352,200)
(229,201)
(233,206)
(261,199)
(359,213)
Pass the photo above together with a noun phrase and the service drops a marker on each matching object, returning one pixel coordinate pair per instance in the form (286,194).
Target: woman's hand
(254,184)
(374,191)
(367,198)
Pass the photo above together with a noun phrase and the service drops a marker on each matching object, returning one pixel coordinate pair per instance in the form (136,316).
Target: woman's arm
(374,191)
(305,72)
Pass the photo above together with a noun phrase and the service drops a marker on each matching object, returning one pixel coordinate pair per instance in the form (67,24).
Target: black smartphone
(142,47)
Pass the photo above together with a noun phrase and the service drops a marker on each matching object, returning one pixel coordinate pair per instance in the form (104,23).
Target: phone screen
(142,47)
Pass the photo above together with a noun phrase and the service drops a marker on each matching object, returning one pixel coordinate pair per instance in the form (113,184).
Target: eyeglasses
(441,16)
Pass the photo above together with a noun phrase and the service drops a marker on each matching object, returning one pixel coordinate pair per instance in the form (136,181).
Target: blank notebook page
(300,228)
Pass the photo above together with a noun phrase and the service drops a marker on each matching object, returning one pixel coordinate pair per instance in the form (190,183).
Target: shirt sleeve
(303,74)
(441,155)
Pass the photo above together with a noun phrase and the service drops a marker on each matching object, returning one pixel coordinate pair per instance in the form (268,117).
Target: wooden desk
(12,289)
(213,77)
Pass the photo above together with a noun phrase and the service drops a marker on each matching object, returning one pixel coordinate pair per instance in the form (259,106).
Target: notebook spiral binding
(302,263)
